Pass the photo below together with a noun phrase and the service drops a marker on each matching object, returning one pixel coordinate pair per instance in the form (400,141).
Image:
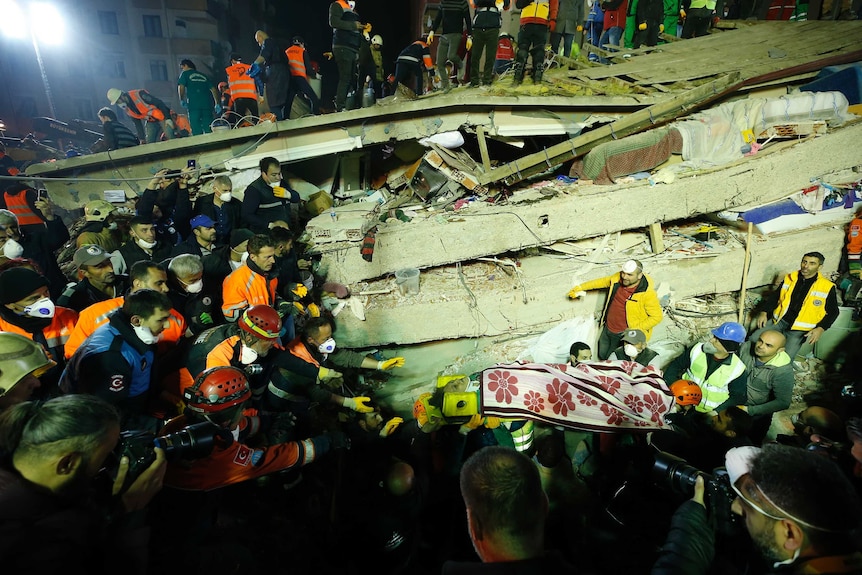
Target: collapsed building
(459,221)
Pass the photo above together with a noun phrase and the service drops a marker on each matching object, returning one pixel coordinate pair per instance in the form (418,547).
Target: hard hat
(21,357)
(686,392)
(261,321)
(730,331)
(377,40)
(217,389)
(98,210)
(114,95)
(222,85)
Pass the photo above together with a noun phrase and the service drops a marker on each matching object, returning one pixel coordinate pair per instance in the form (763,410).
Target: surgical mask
(225,197)
(247,355)
(42,308)
(274,184)
(630,350)
(709,348)
(145,244)
(145,335)
(327,346)
(12,249)
(195,287)
(112,226)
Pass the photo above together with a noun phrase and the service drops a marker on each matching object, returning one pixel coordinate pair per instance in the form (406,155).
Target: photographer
(798,507)
(52,517)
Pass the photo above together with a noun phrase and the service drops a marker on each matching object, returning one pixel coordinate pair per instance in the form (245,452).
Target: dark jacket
(770,384)
(176,208)
(117,136)
(217,266)
(454,15)
(41,249)
(486,14)
(132,253)
(260,207)
(231,212)
(200,310)
(82,294)
(189,245)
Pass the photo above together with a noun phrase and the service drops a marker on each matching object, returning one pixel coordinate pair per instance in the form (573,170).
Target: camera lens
(675,472)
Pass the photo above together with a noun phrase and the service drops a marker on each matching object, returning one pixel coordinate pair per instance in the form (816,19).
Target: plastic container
(407,281)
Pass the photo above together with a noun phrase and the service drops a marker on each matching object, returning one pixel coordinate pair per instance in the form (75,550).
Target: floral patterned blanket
(593,396)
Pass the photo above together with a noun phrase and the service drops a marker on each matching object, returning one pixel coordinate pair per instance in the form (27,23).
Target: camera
(676,474)
(191,442)
(173,174)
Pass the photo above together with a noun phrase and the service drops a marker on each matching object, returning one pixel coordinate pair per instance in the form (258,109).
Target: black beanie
(18,283)
(240,235)
(730,346)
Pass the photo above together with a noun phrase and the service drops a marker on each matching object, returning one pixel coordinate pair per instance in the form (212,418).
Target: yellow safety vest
(715,388)
(813,306)
(537,9)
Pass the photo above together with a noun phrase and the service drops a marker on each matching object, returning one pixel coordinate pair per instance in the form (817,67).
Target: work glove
(580,28)
(642,26)
(326,374)
(284,308)
(357,404)
(313,310)
(430,37)
(661,28)
(469,42)
(492,422)
(390,426)
(387,364)
(205,319)
(327,55)
(682,13)
(576,293)
(299,290)
(475,422)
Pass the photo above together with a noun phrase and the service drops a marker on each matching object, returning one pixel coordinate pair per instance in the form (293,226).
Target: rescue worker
(142,243)
(26,308)
(21,200)
(716,368)
(454,17)
(39,248)
(243,92)
(379,78)
(635,349)
(115,135)
(98,280)
(346,39)
(22,363)
(116,362)
(300,70)
(272,62)
(144,274)
(487,21)
(412,61)
(854,245)
(151,116)
(538,18)
(199,96)
(804,307)
(190,296)
(100,228)
(267,200)
(697,18)
(221,207)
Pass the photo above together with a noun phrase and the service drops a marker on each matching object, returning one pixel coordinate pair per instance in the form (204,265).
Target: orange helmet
(686,392)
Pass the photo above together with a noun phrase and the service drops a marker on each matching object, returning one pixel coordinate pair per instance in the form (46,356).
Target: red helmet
(686,392)
(261,321)
(222,85)
(216,389)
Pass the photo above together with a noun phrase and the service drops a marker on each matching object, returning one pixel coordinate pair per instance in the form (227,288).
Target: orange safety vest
(18,205)
(244,288)
(298,349)
(240,84)
(97,314)
(296,61)
(56,333)
(151,114)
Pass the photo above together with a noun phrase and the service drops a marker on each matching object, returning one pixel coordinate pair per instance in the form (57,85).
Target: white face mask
(630,350)
(42,308)
(327,346)
(225,197)
(195,287)
(274,184)
(145,244)
(145,335)
(112,226)
(12,249)
(247,355)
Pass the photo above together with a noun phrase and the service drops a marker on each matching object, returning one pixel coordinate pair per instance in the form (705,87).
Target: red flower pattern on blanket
(502,383)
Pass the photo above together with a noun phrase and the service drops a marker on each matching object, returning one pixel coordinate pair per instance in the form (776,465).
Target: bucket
(407,281)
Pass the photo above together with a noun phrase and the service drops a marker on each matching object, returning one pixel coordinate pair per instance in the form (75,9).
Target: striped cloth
(594,396)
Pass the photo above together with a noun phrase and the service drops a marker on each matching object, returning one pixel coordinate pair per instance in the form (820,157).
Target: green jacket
(770,385)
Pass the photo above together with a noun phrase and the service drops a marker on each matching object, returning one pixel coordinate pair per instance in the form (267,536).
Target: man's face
(721,422)
(157,322)
(18,306)
(583,355)
(768,345)
(190,279)
(219,189)
(79,482)
(102,273)
(272,175)
(236,253)
(283,248)
(264,259)
(630,279)
(9,231)
(156,280)
(206,235)
(145,232)
(717,343)
(324,333)
(761,528)
(809,267)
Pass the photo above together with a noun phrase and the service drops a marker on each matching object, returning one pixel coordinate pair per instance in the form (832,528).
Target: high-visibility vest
(296,61)
(521,432)
(813,306)
(240,84)
(244,288)
(716,387)
(540,9)
(150,113)
(55,334)
(17,204)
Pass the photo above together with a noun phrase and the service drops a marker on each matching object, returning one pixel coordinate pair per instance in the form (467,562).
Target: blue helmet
(730,331)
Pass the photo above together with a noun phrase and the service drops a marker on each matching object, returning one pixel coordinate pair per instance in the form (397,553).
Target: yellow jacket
(813,307)
(643,310)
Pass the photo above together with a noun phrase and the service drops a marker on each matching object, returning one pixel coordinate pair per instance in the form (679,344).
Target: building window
(108,22)
(83,109)
(153,26)
(112,68)
(159,70)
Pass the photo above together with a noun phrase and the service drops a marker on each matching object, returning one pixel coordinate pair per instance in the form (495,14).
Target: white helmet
(377,40)
(114,95)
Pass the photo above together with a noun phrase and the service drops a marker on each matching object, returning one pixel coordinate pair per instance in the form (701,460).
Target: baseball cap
(89,255)
(634,336)
(202,221)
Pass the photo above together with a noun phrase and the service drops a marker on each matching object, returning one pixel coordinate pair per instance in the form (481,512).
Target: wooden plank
(483,147)
(656,238)
(669,109)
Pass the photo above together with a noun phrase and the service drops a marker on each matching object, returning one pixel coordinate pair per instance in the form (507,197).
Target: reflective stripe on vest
(273,389)
(270,205)
(240,84)
(17,204)
(813,306)
(537,9)
(715,388)
(151,114)
(523,436)
(296,61)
